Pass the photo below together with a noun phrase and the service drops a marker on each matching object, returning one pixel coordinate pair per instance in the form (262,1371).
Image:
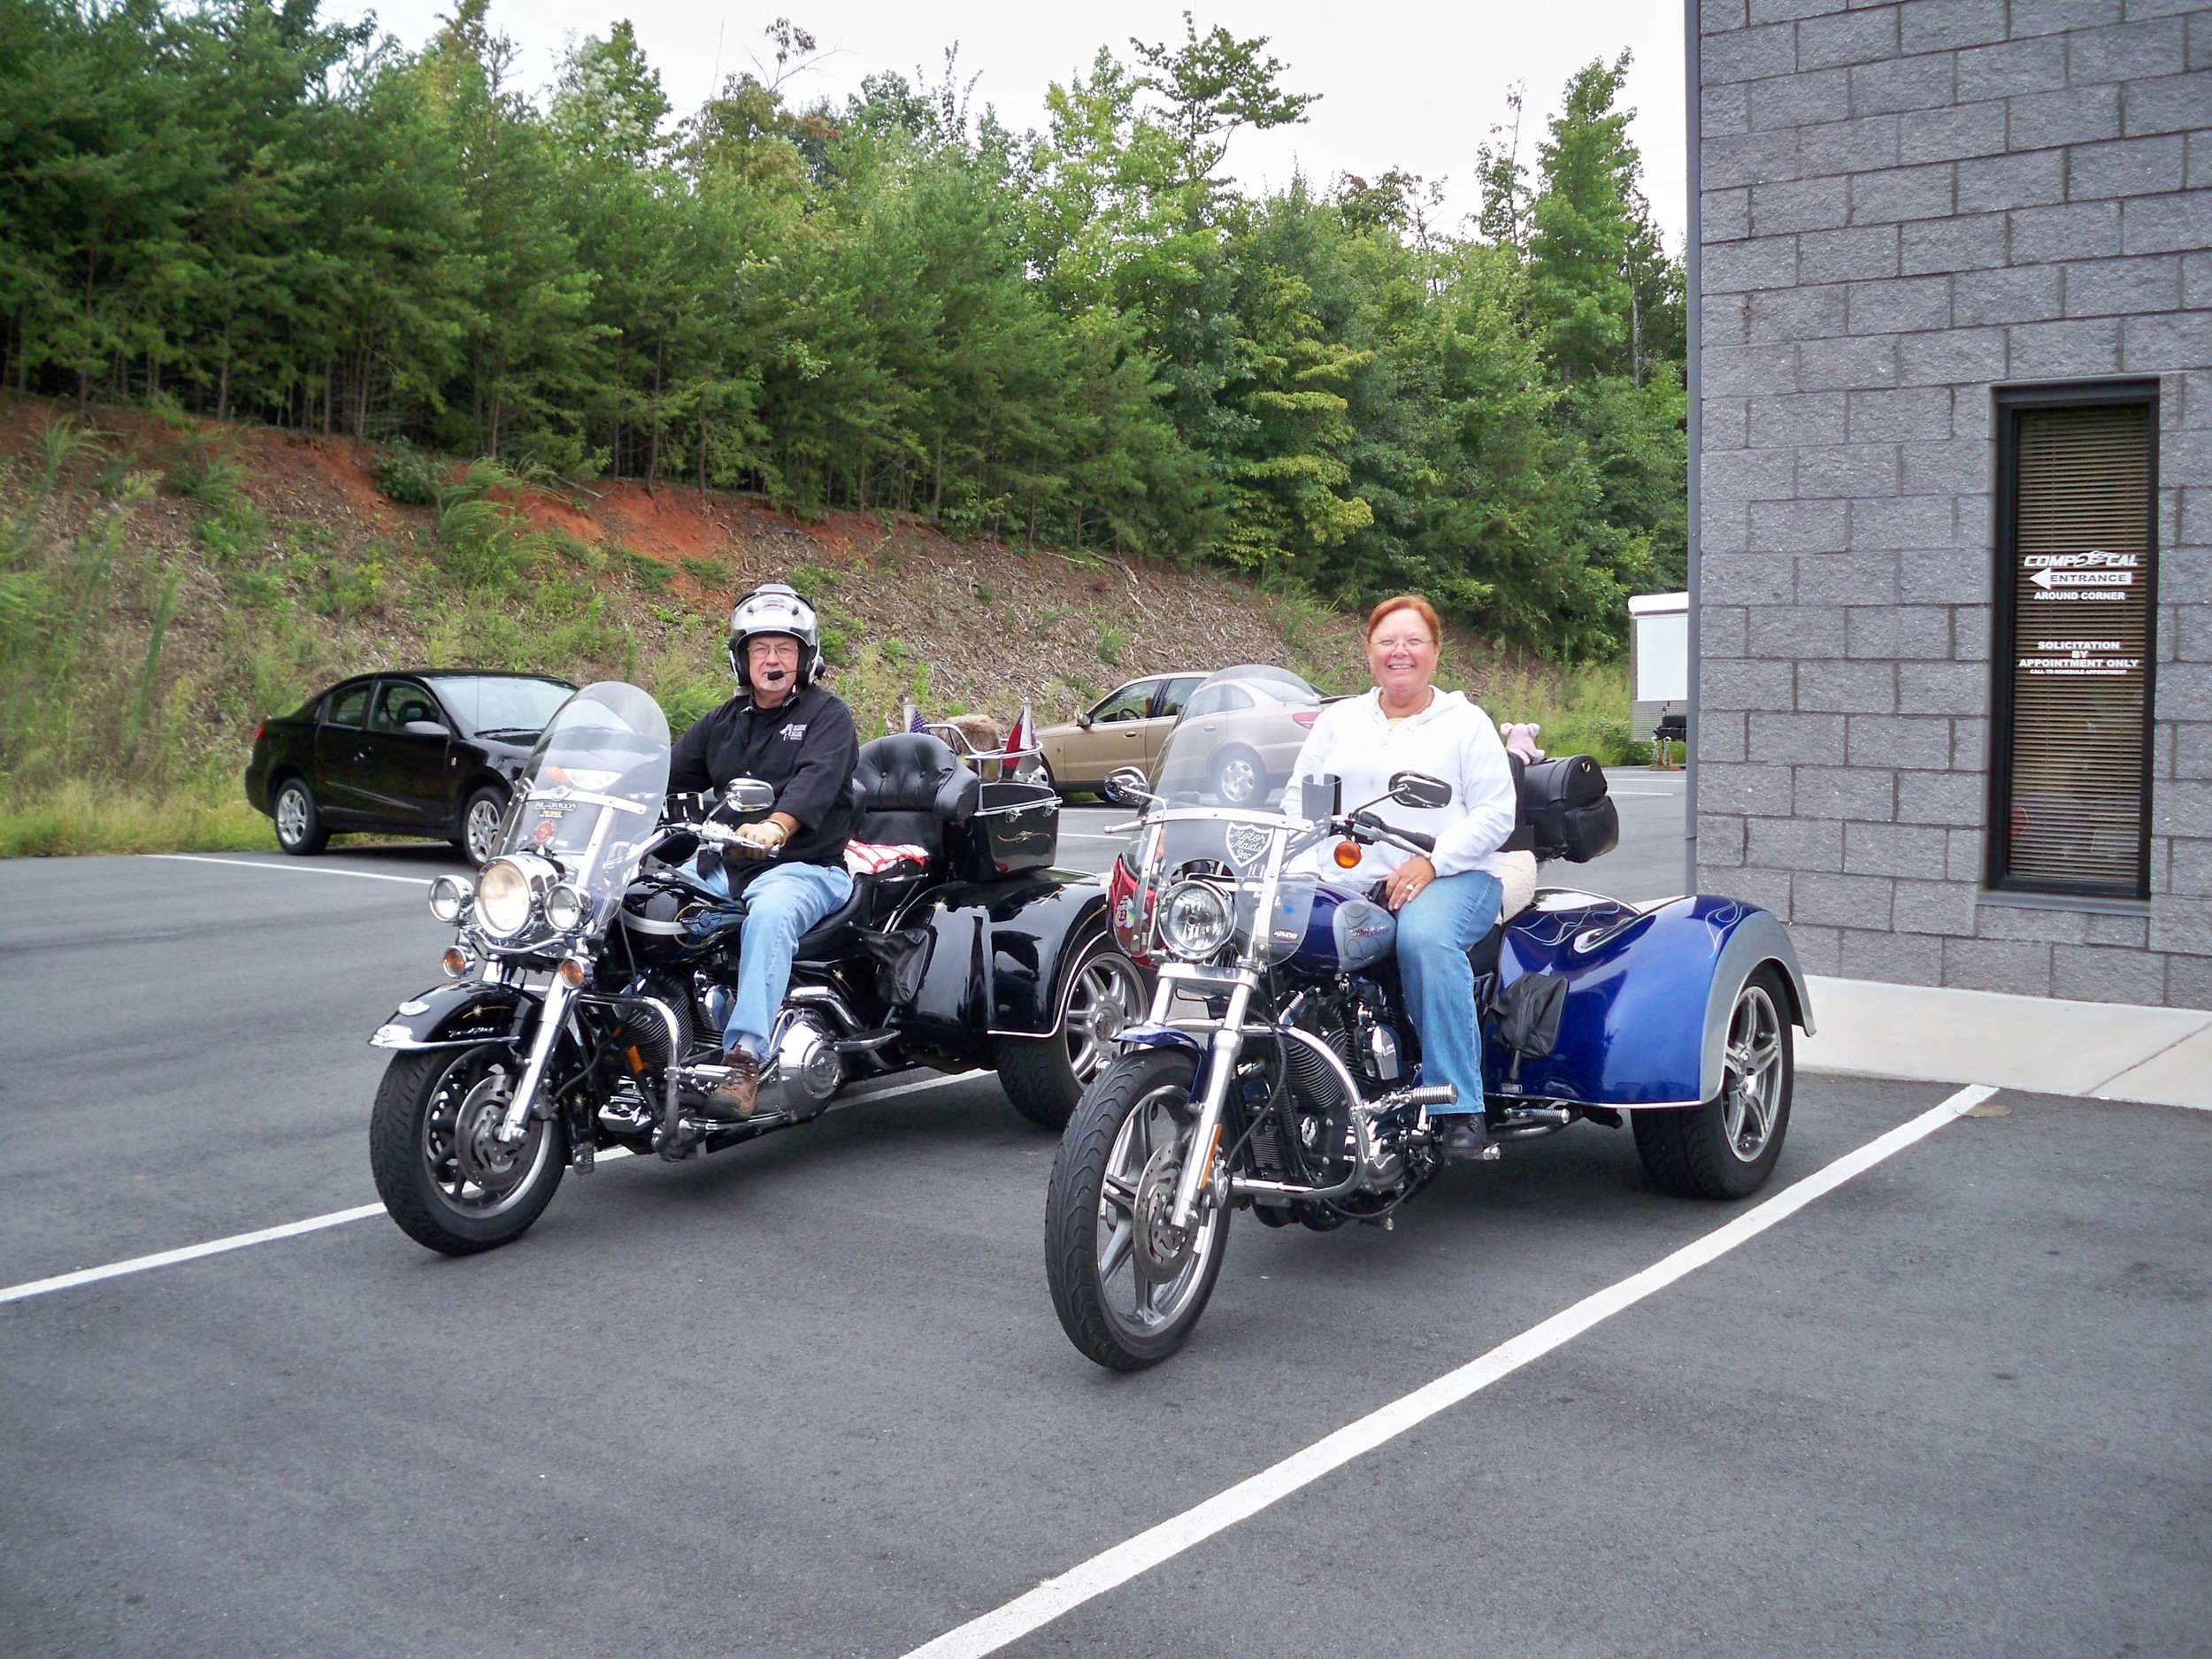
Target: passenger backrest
(911,785)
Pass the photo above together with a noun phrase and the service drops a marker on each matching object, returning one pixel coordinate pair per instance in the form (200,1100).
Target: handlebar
(1420,841)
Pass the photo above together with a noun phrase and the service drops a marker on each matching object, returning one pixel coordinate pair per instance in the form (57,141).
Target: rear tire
(1113,1176)
(1239,777)
(1728,1146)
(1101,991)
(444,1182)
(299,825)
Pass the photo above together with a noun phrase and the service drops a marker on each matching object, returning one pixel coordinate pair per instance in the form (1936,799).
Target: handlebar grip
(1412,838)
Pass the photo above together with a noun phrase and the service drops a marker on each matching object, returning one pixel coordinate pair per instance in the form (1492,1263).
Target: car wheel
(479,838)
(299,827)
(1239,779)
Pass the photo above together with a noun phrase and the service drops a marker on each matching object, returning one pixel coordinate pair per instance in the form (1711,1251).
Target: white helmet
(776,608)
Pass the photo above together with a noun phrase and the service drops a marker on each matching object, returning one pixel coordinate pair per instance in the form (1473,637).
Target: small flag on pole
(914,721)
(1018,739)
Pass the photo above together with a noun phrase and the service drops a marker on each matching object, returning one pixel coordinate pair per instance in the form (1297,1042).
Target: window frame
(393,683)
(2009,403)
(328,714)
(1143,708)
(1167,682)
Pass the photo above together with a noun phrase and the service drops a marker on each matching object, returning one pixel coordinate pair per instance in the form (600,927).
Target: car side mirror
(1418,789)
(1084,721)
(749,794)
(424,728)
(1126,787)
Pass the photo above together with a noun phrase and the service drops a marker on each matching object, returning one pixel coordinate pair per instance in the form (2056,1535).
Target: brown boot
(735,1096)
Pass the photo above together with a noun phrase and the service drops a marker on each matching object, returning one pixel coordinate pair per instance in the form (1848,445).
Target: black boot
(1461,1139)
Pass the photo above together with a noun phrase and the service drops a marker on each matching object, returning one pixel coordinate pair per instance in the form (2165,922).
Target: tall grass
(83,817)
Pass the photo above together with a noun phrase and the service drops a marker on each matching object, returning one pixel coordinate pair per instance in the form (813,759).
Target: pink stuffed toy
(1521,740)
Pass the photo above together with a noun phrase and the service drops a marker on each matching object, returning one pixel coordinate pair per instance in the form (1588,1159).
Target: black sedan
(412,754)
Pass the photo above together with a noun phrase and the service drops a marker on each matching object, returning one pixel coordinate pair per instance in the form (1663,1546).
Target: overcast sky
(1407,85)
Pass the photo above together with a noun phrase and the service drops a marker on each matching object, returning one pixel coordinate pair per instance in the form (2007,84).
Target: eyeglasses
(1411,642)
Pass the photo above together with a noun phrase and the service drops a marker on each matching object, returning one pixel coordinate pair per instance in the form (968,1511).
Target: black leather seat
(824,940)
(1482,955)
(911,787)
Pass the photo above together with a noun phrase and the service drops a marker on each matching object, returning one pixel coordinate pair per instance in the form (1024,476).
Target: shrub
(408,476)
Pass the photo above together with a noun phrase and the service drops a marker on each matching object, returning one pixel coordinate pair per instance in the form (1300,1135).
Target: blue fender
(1649,993)
(1135,1038)
(455,1015)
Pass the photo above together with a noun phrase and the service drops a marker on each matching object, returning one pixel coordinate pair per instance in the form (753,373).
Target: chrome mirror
(1418,789)
(749,794)
(1125,787)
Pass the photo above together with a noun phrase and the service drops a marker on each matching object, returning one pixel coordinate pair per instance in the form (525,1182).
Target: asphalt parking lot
(809,1398)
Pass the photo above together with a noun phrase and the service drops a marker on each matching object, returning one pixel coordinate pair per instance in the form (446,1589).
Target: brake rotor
(1162,1247)
(479,1156)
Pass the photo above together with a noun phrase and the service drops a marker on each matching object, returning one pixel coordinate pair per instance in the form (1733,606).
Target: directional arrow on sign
(2048,579)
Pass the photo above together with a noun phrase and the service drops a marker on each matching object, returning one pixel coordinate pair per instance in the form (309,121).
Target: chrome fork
(1221,1065)
(551,1018)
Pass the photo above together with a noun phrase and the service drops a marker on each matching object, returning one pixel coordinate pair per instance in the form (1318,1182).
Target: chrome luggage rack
(1007,765)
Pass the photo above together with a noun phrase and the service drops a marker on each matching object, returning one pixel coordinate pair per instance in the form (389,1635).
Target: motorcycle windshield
(1228,851)
(590,799)
(1235,743)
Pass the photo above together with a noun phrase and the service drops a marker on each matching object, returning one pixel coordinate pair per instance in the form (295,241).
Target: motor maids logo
(794,730)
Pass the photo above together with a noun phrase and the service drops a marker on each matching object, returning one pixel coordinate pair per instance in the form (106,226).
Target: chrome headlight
(564,908)
(449,897)
(1196,919)
(502,898)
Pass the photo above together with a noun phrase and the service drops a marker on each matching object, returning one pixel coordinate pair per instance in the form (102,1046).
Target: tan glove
(763,840)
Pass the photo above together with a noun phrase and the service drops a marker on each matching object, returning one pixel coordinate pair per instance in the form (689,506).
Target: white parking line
(1147,1550)
(339,1218)
(289,869)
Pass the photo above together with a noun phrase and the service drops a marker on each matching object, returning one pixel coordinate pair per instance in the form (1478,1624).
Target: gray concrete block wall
(1905,205)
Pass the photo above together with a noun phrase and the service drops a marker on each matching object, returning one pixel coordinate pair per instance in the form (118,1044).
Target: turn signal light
(455,961)
(1347,854)
(572,972)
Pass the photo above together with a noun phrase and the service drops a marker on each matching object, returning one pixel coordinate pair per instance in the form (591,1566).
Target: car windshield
(493,702)
(590,799)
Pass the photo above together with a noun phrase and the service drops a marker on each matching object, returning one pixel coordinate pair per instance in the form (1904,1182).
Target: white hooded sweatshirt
(1451,739)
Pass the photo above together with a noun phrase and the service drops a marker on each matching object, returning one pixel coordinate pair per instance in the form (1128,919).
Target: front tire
(1101,991)
(1728,1146)
(445,1180)
(299,825)
(479,838)
(1129,1290)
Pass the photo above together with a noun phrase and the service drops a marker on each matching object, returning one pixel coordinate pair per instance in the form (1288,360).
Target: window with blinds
(2077,583)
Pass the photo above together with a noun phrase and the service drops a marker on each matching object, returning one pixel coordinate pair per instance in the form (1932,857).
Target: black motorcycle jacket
(805,747)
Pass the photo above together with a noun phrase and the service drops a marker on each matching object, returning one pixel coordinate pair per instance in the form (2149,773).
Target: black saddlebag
(1015,827)
(1568,809)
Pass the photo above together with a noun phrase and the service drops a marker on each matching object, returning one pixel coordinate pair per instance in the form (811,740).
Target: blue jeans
(1435,928)
(781,903)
